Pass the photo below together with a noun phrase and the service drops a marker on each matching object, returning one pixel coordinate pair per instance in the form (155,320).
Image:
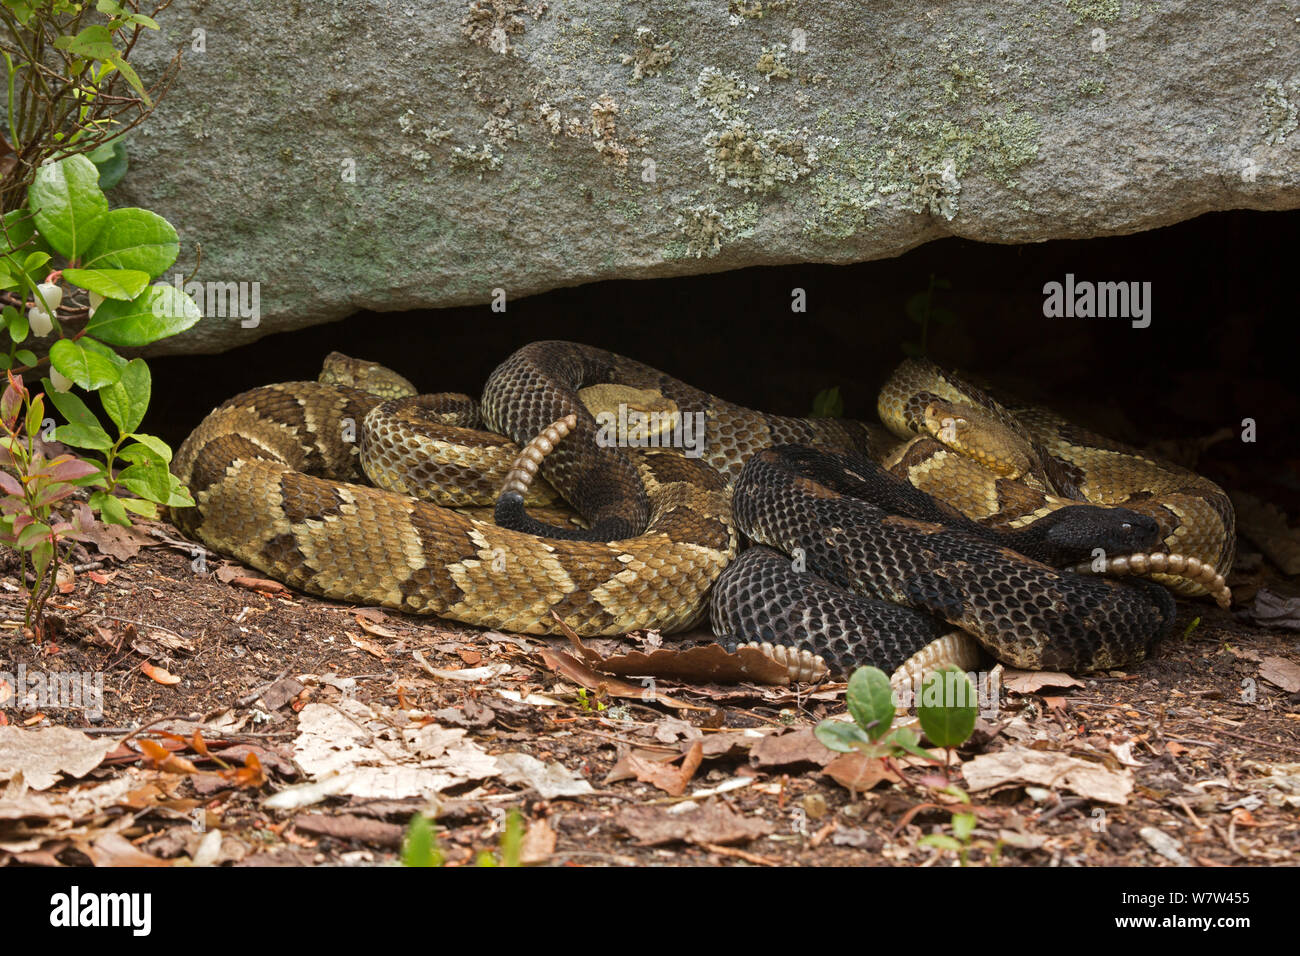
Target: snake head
(978,433)
(1073,533)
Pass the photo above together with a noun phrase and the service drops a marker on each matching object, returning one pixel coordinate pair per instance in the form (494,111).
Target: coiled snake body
(275,473)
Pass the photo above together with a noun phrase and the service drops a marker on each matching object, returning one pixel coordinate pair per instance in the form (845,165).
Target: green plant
(420,848)
(922,310)
(828,404)
(946,711)
(69,85)
(946,707)
(870,700)
(110,257)
(510,846)
(962,840)
(33,487)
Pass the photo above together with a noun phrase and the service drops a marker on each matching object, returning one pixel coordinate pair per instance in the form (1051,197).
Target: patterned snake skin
(1048,497)
(273,473)
(863,548)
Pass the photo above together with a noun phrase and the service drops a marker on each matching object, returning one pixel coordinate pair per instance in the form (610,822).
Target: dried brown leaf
(1282,672)
(538,843)
(858,772)
(663,775)
(710,822)
(580,673)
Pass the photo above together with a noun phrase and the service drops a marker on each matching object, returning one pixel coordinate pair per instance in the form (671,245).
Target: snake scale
(843,516)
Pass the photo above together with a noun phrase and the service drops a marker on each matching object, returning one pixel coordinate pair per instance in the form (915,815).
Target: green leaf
(110,508)
(68,206)
(940,840)
(420,848)
(16,321)
(32,533)
(25,357)
(140,452)
(946,706)
(127,70)
(124,284)
(828,404)
(42,555)
(512,839)
(148,480)
(110,159)
(88,369)
(71,407)
(99,348)
(134,239)
(21,9)
(35,415)
(905,738)
(870,700)
(19,230)
(963,824)
(94,43)
(160,449)
(158,312)
(127,399)
(145,509)
(842,736)
(179,496)
(84,436)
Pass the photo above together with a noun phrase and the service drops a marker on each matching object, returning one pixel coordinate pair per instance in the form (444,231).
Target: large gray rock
(350,154)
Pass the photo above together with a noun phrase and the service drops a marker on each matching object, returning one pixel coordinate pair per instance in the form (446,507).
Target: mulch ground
(223,691)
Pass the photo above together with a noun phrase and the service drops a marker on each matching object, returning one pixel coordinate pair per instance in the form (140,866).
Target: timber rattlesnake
(273,474)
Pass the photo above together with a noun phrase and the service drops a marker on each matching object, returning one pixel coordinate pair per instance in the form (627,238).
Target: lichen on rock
(650,57)
(759,160)
(1280,113)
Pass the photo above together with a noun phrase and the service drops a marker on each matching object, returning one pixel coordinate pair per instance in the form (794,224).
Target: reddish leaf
(11,402)
(249,776)
(262,585)
(163,759)
(199,744)
(52,493)
(69,468)
(159,674)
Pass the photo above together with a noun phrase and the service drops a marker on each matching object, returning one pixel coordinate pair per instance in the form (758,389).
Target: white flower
(60,381)
(40,321)
(52,293)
